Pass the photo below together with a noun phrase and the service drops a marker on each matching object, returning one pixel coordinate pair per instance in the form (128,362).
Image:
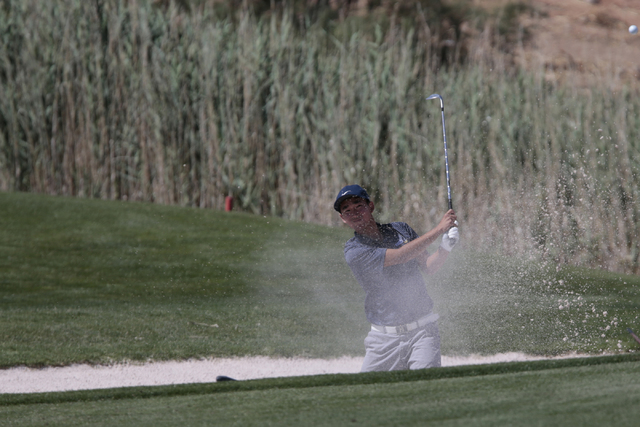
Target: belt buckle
(402,329)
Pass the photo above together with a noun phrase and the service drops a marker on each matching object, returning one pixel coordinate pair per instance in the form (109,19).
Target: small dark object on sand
(220,378)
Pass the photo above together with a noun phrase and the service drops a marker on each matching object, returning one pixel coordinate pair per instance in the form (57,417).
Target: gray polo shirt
(394,295)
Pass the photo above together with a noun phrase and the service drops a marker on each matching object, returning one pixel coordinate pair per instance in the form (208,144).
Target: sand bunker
(85,377)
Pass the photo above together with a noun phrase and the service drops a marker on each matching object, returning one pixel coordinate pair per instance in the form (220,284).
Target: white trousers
(418,349)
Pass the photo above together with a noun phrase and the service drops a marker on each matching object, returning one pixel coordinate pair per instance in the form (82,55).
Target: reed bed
(132,101)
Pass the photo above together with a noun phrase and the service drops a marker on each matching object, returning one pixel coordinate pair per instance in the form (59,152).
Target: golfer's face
(355,211)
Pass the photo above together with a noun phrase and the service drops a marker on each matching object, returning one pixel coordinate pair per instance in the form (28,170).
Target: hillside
(171,105)
(580,40)
(584,41)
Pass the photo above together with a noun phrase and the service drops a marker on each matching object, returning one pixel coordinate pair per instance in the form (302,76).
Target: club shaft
(446,156)
(635,337)
(446,151)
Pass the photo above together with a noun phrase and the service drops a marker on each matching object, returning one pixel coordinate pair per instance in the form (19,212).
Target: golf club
(446,153)
(635,337)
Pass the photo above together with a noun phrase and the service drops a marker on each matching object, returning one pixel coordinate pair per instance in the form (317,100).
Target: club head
(436,96)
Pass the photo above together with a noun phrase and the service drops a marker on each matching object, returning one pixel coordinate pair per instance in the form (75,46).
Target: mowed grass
(576,392)
(97,281)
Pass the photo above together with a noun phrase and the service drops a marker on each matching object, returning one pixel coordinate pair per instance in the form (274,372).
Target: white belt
(403,329)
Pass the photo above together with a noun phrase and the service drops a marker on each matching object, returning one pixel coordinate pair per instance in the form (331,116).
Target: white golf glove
(450,238)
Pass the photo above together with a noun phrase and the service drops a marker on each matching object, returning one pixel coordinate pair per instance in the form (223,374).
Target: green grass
(86,280)
(592,391)
(98,281)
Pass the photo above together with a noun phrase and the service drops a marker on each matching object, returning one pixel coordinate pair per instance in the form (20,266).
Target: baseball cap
(350,191)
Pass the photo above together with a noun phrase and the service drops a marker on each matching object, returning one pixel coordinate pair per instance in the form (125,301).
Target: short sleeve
(366,262)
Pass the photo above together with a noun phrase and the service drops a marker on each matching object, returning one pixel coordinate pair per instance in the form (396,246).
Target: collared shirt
(394,295)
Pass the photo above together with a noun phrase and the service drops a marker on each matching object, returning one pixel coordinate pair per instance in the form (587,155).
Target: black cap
(348,192)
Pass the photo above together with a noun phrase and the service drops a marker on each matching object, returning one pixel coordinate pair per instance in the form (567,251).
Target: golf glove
(450,238)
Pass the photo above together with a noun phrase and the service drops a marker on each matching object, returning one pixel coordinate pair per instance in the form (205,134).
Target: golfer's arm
(435,261)
(411,250)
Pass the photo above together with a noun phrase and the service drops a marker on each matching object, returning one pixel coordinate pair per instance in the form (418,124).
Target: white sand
(84,377)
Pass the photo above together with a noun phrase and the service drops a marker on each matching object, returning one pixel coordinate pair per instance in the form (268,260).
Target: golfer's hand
(448,220)
(450,239)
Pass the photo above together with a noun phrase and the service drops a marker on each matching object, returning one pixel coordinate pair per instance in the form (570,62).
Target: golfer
(388,261)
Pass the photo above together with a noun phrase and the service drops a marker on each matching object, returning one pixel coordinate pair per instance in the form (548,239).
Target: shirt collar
(389,237)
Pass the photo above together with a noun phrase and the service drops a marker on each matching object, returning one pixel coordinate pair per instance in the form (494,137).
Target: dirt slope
(581,40)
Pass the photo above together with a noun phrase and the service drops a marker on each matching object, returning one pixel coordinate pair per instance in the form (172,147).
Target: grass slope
(89,280)
(100,281)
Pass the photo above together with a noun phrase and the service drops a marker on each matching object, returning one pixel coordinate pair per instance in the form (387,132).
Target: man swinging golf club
(388,261)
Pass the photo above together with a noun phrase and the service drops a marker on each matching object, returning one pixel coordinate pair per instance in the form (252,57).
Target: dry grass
(137,102)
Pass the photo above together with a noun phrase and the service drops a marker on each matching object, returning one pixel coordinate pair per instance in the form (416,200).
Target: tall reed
(126,100)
